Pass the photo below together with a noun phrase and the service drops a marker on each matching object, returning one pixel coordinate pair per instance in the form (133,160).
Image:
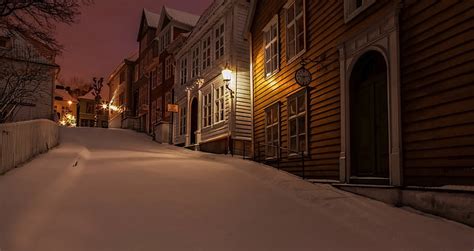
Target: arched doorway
(194,120)
(369,133)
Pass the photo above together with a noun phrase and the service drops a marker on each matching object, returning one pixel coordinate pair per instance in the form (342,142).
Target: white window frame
(184,70)
(270,147)
(268,45)
(195,61)
(219,103)
(206,52)
(296,117)
(182,120)
(219,41)
(351,10)
(206,110)
(288,25)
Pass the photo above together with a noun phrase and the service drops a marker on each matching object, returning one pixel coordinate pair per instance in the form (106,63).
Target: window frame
(219,103)
(195,59)
(207,109)
(295,95)
(351,11)
(153,79)
(183,78)
(219,41)
(182,120)
(168,67)
(277,124)
(206,52)
(268,27)
(293,22)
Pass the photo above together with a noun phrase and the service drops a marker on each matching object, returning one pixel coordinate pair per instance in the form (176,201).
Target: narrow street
(106,189)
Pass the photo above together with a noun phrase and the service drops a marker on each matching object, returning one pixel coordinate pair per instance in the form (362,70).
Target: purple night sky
(106,33)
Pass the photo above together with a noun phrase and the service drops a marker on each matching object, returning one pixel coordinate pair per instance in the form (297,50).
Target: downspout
(252,146)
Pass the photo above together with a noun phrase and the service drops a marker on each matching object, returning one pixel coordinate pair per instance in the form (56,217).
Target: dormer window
(352,8)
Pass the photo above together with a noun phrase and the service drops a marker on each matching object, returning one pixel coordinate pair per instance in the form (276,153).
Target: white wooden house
(215,116)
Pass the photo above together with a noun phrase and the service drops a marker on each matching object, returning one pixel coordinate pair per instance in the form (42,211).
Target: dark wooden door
(194,120)
(369,118)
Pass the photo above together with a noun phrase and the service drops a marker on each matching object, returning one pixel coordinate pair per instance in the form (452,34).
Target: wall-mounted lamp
(227,77)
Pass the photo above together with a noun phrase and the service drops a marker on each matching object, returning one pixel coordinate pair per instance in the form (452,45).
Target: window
(270,33)
(206,52)
(219,104)
(182,121)
(153,79)
(122,76)
(159,110)
(272,131)
(352,8)
(184,70)
(153,111)
(168,68)
(195,70)
(219,41)
(90,108)
(159,74)
(295,29)
(297,122)
(206,111)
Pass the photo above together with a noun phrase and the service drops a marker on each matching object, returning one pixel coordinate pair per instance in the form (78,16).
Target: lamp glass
(227,74)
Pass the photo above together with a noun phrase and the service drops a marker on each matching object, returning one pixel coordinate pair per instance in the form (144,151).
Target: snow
(63,94)
(181,16)
(104,93)
(111,189)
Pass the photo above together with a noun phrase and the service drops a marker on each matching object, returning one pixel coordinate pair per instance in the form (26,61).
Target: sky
(106,33)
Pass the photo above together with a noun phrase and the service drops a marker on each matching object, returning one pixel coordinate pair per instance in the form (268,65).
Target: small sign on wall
(173,108)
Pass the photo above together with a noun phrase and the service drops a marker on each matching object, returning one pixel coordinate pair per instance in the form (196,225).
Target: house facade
(215,114)
(147,55)
(65,106)
(88,109)
(120,85)
(364,91)
(27,74)
(173,27)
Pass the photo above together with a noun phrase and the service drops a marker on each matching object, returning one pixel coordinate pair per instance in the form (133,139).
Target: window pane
(301,124)
(291,13)
(301,103)
(275,135)
(274,115)
(292,107)
(292,127)
(293,145)
(298,7)
(302,143)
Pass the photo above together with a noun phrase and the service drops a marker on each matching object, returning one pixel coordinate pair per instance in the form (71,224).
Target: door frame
(382,37)
(191,115)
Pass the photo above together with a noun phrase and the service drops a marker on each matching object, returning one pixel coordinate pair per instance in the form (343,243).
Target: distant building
(64,104)
(88,108)
(121,83)
(27,73)
(215,115)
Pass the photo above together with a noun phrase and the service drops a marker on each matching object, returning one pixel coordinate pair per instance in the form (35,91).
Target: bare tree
(37,19)
(22,83)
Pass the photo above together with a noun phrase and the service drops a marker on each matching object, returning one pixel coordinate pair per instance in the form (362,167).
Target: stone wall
(21,141)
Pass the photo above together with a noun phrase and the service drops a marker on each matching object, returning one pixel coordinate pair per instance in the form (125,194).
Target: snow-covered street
(106,189)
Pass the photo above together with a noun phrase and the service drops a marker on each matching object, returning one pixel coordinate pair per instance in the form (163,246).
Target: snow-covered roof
(152,19)
(181,16)
(64,95)
(133,56)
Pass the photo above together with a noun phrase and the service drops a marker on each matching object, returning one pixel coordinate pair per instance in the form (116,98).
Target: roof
(133,56)
(181,16)
(63,94)
(152,19)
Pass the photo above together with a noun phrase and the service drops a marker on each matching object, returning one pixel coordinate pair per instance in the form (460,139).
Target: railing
(282,158)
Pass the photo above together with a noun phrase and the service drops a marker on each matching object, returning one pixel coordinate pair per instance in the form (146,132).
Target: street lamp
(227,78)
(69,102)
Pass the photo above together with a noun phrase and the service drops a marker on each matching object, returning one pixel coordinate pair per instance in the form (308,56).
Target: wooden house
(365,91)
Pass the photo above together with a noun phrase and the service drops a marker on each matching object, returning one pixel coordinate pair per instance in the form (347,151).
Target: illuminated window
(297,122)
(295,29)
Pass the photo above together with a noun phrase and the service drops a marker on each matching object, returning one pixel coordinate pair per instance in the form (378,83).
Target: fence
(21,141)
